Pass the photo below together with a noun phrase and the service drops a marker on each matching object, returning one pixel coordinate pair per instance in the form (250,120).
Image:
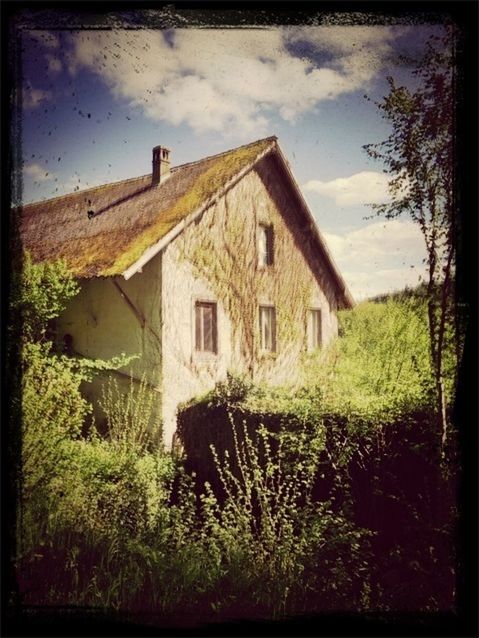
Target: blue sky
(94,103)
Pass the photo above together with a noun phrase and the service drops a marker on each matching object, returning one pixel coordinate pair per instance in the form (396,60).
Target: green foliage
(419,157)
(41,293)
(131,419)
(117,522)
(380,364)
(110,493)
(53,411)
(270,532)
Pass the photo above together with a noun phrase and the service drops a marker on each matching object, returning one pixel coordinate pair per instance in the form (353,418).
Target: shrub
(131,419)
(41,292)
(272,537)
(380,362)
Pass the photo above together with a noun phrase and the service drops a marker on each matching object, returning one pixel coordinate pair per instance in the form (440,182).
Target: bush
(381,361)
(274,539)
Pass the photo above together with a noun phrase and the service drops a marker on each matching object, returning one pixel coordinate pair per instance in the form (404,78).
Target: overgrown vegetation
(293,513)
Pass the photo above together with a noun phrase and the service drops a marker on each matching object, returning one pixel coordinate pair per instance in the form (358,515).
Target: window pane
(273,329)
(314,329)
(269,245)
(262,246)
(318,328)
(267,320)
(206,327)
(198,330)
(267,329)
(214,330)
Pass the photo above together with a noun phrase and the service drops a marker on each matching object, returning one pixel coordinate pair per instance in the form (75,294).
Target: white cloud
(32,98)
(380,257)
(54,63)
(366,284)
(391,238)
(229,80)
(361,188)
(37,173)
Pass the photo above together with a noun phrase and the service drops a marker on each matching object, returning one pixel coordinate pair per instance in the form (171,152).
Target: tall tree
(419,158)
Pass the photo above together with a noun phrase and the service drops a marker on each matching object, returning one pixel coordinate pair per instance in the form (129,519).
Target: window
(314,329)
(205,327)
(265,245)
(267,328)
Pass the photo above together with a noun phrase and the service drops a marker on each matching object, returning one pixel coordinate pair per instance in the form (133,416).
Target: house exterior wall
(104,324)
(216,259)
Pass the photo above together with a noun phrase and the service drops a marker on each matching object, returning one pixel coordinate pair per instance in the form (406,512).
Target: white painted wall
(187,373)
(103,326)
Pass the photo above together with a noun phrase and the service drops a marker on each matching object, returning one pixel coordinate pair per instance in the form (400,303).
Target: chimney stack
(161,165)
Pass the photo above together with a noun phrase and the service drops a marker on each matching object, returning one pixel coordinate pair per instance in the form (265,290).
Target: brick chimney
(161,165)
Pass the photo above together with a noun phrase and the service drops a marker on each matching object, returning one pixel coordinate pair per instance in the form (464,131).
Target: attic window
(265,245)
(206,331)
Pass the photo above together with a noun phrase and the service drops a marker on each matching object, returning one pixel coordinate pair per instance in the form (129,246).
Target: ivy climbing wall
(216,260)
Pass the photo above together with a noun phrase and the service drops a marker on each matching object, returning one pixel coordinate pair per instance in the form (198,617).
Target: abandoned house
(209,267)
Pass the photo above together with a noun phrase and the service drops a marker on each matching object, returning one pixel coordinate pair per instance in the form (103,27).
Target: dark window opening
(68,345)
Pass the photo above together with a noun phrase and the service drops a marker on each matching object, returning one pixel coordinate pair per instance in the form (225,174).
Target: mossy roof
(126,217)
(129,217)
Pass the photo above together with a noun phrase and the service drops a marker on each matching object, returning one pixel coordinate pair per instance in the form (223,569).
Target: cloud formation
(361,188)
(33,98)
(231,80)
(37,173)
(54,63)
(383,238)
(364,285)
(385,255)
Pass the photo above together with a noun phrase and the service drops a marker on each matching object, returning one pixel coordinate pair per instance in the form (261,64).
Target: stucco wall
(103,325)
(215,259)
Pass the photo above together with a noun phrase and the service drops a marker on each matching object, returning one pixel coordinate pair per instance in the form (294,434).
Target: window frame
(199,339)
(271,311)
(314,337)
(266,256)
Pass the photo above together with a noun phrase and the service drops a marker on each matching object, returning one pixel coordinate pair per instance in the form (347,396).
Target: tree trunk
(443,310)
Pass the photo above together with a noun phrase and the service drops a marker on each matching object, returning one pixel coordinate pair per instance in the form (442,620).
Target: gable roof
(117,228)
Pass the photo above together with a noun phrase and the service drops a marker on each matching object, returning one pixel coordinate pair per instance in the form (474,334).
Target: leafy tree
(40,293)
(48,402)
(419,157)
